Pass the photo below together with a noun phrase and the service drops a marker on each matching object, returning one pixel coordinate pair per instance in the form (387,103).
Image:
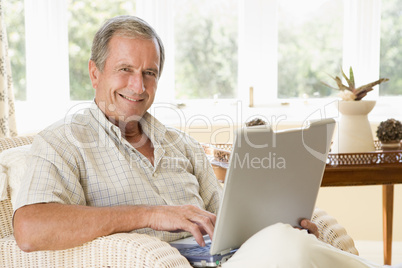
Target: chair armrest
(6,212)
(117,250)
(7,143)
(332,232)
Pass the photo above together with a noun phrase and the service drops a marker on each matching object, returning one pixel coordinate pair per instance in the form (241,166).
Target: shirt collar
(151,126)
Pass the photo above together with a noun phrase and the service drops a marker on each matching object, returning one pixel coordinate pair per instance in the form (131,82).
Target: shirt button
(155,174)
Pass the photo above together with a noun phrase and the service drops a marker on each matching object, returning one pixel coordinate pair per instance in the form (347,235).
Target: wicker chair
(122,249)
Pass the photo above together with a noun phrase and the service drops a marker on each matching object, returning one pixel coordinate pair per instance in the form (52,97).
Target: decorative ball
(390,130)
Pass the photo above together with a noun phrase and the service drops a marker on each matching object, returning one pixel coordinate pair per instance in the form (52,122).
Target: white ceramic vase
(353,133)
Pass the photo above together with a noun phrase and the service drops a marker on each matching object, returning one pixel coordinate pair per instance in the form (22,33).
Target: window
(391,47)
(206,34)
(205,45)
(84,19)
(309,46)
(16,45)
(214,49)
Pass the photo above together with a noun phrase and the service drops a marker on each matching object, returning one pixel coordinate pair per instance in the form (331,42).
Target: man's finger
(205,224)
(195,231)
(310,226)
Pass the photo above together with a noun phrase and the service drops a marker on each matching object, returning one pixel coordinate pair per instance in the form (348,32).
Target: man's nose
(136,83)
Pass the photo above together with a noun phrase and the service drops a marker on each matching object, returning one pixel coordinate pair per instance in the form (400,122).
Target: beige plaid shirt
(84,160)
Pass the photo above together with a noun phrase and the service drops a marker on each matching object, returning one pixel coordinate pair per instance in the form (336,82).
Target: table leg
(387,218)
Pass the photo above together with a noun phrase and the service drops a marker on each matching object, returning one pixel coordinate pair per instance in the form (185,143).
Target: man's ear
(93,74)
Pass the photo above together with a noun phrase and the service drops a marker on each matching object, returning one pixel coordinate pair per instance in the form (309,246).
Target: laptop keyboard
(196,250)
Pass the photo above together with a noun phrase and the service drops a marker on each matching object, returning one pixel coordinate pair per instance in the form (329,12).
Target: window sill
(33,117)
(279,113)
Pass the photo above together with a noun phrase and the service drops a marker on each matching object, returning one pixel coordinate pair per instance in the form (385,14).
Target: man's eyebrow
(120,65)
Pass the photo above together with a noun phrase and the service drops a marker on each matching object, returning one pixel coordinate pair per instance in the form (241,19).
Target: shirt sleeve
(52,174)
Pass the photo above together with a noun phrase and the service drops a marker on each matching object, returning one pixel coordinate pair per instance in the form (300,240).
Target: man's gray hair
(127,26)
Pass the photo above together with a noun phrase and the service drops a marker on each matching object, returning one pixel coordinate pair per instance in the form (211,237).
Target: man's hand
(183,218)
(310,227)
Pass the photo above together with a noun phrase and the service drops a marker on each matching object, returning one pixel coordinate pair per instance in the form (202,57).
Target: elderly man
(114,167)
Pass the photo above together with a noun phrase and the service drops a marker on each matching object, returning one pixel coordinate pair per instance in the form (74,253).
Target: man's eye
(150,73)
(125,69)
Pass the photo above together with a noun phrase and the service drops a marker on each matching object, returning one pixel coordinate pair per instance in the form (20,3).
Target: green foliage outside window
(206,49)
(309,48)
(85,18)
(391,47)
(15,26)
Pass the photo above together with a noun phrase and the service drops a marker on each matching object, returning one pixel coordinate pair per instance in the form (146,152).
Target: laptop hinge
(226,251)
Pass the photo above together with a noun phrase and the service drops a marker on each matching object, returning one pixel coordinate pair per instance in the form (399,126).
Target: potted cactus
(354,132)
(350,92)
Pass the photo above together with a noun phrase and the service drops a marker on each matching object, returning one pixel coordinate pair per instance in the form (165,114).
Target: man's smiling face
(126,87)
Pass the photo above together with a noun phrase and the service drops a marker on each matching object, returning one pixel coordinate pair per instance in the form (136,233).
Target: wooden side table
(373,168)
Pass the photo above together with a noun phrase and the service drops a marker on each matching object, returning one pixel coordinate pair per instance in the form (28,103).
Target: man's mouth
(130,99)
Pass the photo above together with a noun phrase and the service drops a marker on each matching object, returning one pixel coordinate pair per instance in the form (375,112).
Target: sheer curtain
(361,43)
(48,92)
(7,113)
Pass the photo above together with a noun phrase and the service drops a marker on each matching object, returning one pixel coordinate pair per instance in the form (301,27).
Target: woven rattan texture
(118,250)
(221,152)
(7,143)
(6,209)
(333,233)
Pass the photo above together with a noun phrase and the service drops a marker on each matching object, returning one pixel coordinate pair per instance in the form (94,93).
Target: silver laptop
(272,177)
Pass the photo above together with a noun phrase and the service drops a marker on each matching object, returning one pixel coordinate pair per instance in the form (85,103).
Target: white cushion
(13,163)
